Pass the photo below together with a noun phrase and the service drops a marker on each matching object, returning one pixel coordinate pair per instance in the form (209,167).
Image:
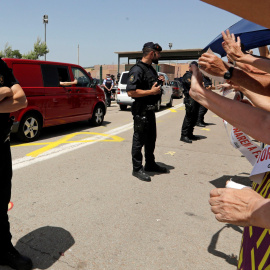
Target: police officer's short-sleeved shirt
(138,80)
(186,81)
(7,79)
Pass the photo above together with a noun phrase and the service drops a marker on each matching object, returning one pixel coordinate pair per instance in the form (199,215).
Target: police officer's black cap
(193,63)
(152,45)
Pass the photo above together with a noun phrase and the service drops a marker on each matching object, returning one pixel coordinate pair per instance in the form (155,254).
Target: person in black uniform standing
(108,85)
(144,86)
(12,98)
(207,83)
(192,109)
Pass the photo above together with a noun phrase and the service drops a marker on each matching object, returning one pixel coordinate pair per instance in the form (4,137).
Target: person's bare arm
(14,103)
(258,100)
(250,68)
(5,92)
(264,51)
(68,83)
(242,207)
(155,90)
(231,46)
(253,121)
(257,83)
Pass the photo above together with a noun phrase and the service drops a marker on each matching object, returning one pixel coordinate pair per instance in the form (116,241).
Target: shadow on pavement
(61,130)
(221,181)
(200,137)
(231,259)
(45,245)
(169,168)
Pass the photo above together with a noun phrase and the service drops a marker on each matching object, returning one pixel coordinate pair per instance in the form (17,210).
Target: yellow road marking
(173,110)
(170,153)
(65,139)
(207,129)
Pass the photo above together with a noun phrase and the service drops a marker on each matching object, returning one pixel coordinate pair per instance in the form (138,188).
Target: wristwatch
(228,74)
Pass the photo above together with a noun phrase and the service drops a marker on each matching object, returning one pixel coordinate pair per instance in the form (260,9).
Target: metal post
(45,21)
(118,64)
(170,46)
(45,40)
(100,74)
(78,54)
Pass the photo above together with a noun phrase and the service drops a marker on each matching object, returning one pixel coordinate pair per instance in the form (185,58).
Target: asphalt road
(77,206)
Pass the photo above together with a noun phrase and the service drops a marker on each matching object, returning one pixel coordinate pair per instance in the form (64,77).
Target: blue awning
(251,34)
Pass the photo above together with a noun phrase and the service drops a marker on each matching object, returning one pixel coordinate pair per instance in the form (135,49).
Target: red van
(50,104)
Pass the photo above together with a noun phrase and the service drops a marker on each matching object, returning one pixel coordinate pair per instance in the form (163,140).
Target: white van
(122,97)
(124,100)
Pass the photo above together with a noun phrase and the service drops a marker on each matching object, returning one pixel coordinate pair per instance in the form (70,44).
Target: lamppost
(45,21)
(170,46)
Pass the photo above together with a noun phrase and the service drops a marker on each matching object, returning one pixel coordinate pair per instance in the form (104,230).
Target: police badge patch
(131,78)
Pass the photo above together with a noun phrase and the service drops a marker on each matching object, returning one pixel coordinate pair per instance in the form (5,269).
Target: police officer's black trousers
(146,139)
(108,97)
(202,112)
(192,110)
(5,193)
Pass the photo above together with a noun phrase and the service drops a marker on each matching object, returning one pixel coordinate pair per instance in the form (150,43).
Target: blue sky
(103,27)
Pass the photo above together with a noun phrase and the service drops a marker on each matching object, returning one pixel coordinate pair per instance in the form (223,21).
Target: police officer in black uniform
(207,83)
(12,98)
(145,87)
(108,85)
(192,109)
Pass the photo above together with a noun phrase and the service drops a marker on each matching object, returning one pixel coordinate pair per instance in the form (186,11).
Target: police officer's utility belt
(150,107)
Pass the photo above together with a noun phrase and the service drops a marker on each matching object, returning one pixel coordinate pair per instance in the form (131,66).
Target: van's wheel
(30,127)
(98,116)
(158,105)
(170,103)
(123,107)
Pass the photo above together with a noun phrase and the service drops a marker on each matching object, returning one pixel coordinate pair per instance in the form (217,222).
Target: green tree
(9,53)
(40,49)
(30,55)
(16,54)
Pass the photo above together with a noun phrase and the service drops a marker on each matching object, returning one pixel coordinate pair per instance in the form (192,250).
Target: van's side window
(53,74)
(63,74)
(81,77)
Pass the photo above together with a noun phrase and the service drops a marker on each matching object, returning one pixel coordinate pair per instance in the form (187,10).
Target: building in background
(173,70)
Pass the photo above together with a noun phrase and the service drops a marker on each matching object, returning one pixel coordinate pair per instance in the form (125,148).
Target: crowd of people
(245,207)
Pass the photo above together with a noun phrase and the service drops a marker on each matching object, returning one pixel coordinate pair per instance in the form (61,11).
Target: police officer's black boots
(15,260)
(141,175)
(185,139)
